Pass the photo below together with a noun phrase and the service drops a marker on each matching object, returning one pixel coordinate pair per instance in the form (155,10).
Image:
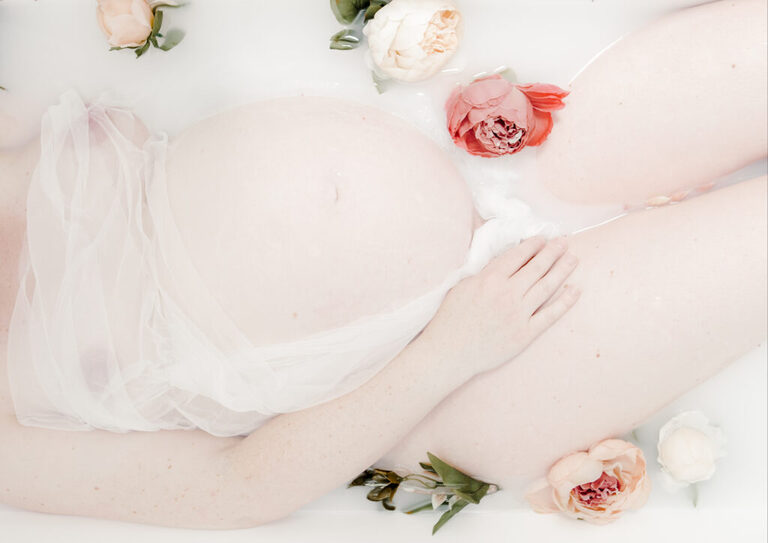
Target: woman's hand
(489,318)
(195,480)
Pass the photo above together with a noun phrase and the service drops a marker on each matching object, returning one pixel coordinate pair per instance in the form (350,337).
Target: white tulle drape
(107,330)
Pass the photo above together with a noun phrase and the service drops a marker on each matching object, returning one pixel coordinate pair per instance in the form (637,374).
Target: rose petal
(539,495)
(475,147)
(609,449)
(574,470)
(456,110)
(541,128)
(543,96)
(516,108)
(486,91)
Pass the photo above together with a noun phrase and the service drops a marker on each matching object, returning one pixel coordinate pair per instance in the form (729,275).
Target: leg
(672,107)
(652,322)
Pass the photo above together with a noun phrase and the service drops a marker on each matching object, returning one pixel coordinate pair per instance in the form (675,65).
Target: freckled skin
(640,364)
(637,128)
(553,384)
(510,422)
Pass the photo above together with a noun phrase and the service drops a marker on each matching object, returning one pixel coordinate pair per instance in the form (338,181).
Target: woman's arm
(192,479)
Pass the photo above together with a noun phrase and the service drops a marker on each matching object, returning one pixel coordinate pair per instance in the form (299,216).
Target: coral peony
(492,117)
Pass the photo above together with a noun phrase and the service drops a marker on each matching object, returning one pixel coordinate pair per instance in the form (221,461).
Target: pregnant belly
(303,214)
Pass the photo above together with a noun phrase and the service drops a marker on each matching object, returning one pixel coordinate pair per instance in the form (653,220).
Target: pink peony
(596,486)
(492,117)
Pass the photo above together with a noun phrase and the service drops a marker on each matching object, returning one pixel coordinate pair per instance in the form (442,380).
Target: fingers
(511,260)
(540,264)
(558,307)
(545,287)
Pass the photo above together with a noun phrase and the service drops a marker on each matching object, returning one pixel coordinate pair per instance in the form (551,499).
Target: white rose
(688,448)
(126,23)
(411,40)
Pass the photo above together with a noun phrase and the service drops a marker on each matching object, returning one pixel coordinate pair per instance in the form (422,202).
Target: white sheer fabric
(105,331)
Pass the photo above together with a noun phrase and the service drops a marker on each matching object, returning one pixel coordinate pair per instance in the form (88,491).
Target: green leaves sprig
(346,38)
(447,486)
(346,11)
(354,14)
(384,482)
(170,40)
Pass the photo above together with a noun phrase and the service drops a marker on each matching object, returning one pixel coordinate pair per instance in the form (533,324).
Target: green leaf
(377,494)
(172,38)
(427,467)
(380,476)
(381,85)
(346,10)
(346,39)
(473,496)
(448,515)
(158,22)
(394,477)
(419,508)
(387,502)
(385,495)
(380,493)
(468,488)
(450,475)
(143,49)
(3,88)
(361,479)
(375,6)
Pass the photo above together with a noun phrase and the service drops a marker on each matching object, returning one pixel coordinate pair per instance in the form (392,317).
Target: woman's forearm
(300,456)
(192,479)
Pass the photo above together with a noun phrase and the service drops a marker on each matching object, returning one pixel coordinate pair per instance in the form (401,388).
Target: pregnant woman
(257,250)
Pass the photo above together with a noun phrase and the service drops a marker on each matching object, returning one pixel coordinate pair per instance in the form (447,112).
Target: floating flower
(596,486)
(135,24)
(126,23)
(491,116)
(410,40)
(688,449)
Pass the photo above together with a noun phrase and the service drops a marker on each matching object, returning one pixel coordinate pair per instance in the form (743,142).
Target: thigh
(667,109)
(670,296)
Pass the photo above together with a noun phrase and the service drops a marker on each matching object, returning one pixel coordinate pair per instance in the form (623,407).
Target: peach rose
(492,117)
(126,23)
(596,486)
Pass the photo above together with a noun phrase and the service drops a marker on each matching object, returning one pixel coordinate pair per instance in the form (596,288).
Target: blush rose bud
(126,23)
(410,40)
